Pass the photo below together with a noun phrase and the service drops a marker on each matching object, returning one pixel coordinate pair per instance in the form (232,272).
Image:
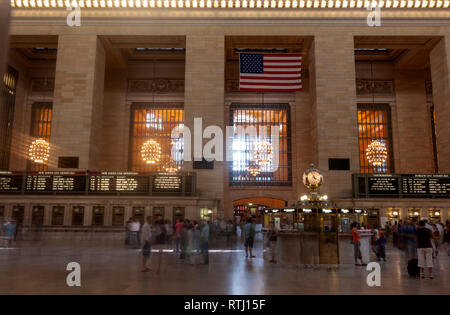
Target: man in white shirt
(146,240)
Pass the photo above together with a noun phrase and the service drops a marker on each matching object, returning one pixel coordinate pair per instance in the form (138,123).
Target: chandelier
(376,152)
(254,168)
(39,151)
(151,152)
(263,153)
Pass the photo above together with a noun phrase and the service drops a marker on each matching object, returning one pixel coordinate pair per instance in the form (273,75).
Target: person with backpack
(424,249)
(249,236)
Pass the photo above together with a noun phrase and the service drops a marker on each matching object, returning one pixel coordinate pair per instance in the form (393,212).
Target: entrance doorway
(254,207)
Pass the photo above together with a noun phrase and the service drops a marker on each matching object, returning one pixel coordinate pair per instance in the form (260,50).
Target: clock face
(304,179)
(314,178)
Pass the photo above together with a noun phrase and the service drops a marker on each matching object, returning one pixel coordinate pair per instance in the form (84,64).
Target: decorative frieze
(158,85)
(377,87)
(42,84)
(232,86)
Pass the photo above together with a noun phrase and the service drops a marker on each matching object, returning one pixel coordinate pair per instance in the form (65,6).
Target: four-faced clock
(312,178)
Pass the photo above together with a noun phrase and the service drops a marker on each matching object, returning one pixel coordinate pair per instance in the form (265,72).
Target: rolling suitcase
(413,268)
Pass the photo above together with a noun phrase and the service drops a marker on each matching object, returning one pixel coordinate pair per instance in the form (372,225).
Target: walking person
(436,240)
(381,247)
(356,241)
(273,238)
(424,249)
(146,241)
(228,231)
(9,228)
(249,236)
(127,231)
(178,227)
(447,235)
(204,242)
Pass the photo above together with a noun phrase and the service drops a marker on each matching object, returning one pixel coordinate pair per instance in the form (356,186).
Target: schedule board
(401,185)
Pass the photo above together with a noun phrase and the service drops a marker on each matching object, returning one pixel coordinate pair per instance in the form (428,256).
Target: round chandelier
(254,169)
(376,152)
(151,152)
(263,153)
(39,151)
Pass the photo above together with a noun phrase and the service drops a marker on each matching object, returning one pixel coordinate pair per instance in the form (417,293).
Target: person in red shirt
(178,226)
(357,246)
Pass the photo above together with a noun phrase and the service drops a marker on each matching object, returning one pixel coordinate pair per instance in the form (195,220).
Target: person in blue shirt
(9,229)
(381,247)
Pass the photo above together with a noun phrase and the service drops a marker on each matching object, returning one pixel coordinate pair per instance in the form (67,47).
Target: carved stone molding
(43,84)
(155,86)
(377,87)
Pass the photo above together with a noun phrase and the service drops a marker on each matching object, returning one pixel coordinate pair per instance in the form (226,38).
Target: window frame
(264,183)
(390,148)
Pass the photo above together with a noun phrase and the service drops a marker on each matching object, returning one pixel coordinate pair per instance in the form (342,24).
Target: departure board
(95,183)
(426,185)
(10,182)
(55,182)
(383,185)
(114,182)
(402,185)
(167,183)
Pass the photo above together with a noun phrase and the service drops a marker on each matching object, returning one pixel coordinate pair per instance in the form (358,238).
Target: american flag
(270,72)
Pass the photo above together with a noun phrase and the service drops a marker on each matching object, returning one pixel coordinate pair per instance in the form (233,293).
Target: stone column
(334,109)
(107,220)
(440,76)
(78,100)
(204,98)
(87,218)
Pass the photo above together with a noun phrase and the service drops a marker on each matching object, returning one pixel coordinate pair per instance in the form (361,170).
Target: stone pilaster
(333,117)
(204,98)
(78,100)
(440,76)
(414,144)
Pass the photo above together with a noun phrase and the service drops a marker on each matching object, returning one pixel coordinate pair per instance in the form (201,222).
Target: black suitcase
(413,268)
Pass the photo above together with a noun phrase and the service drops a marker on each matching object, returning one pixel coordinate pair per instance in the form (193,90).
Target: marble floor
(38,266)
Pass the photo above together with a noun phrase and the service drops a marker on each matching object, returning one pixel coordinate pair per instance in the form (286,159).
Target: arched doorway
(253,206)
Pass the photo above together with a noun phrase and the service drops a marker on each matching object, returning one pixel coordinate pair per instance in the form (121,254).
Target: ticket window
(138,214)
(2,212)
(414,214)
(58,215)
(434,215)
(18,213)
(158,214)
(344,221)
(373,218)
(178,214)
(98,215)
(327,222)
(393,215)
(77,216)
(206,214)
(360,217)
(118,216)
(37,215)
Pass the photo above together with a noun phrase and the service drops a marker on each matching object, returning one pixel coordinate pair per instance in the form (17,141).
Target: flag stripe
(278,82)
(270,75)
